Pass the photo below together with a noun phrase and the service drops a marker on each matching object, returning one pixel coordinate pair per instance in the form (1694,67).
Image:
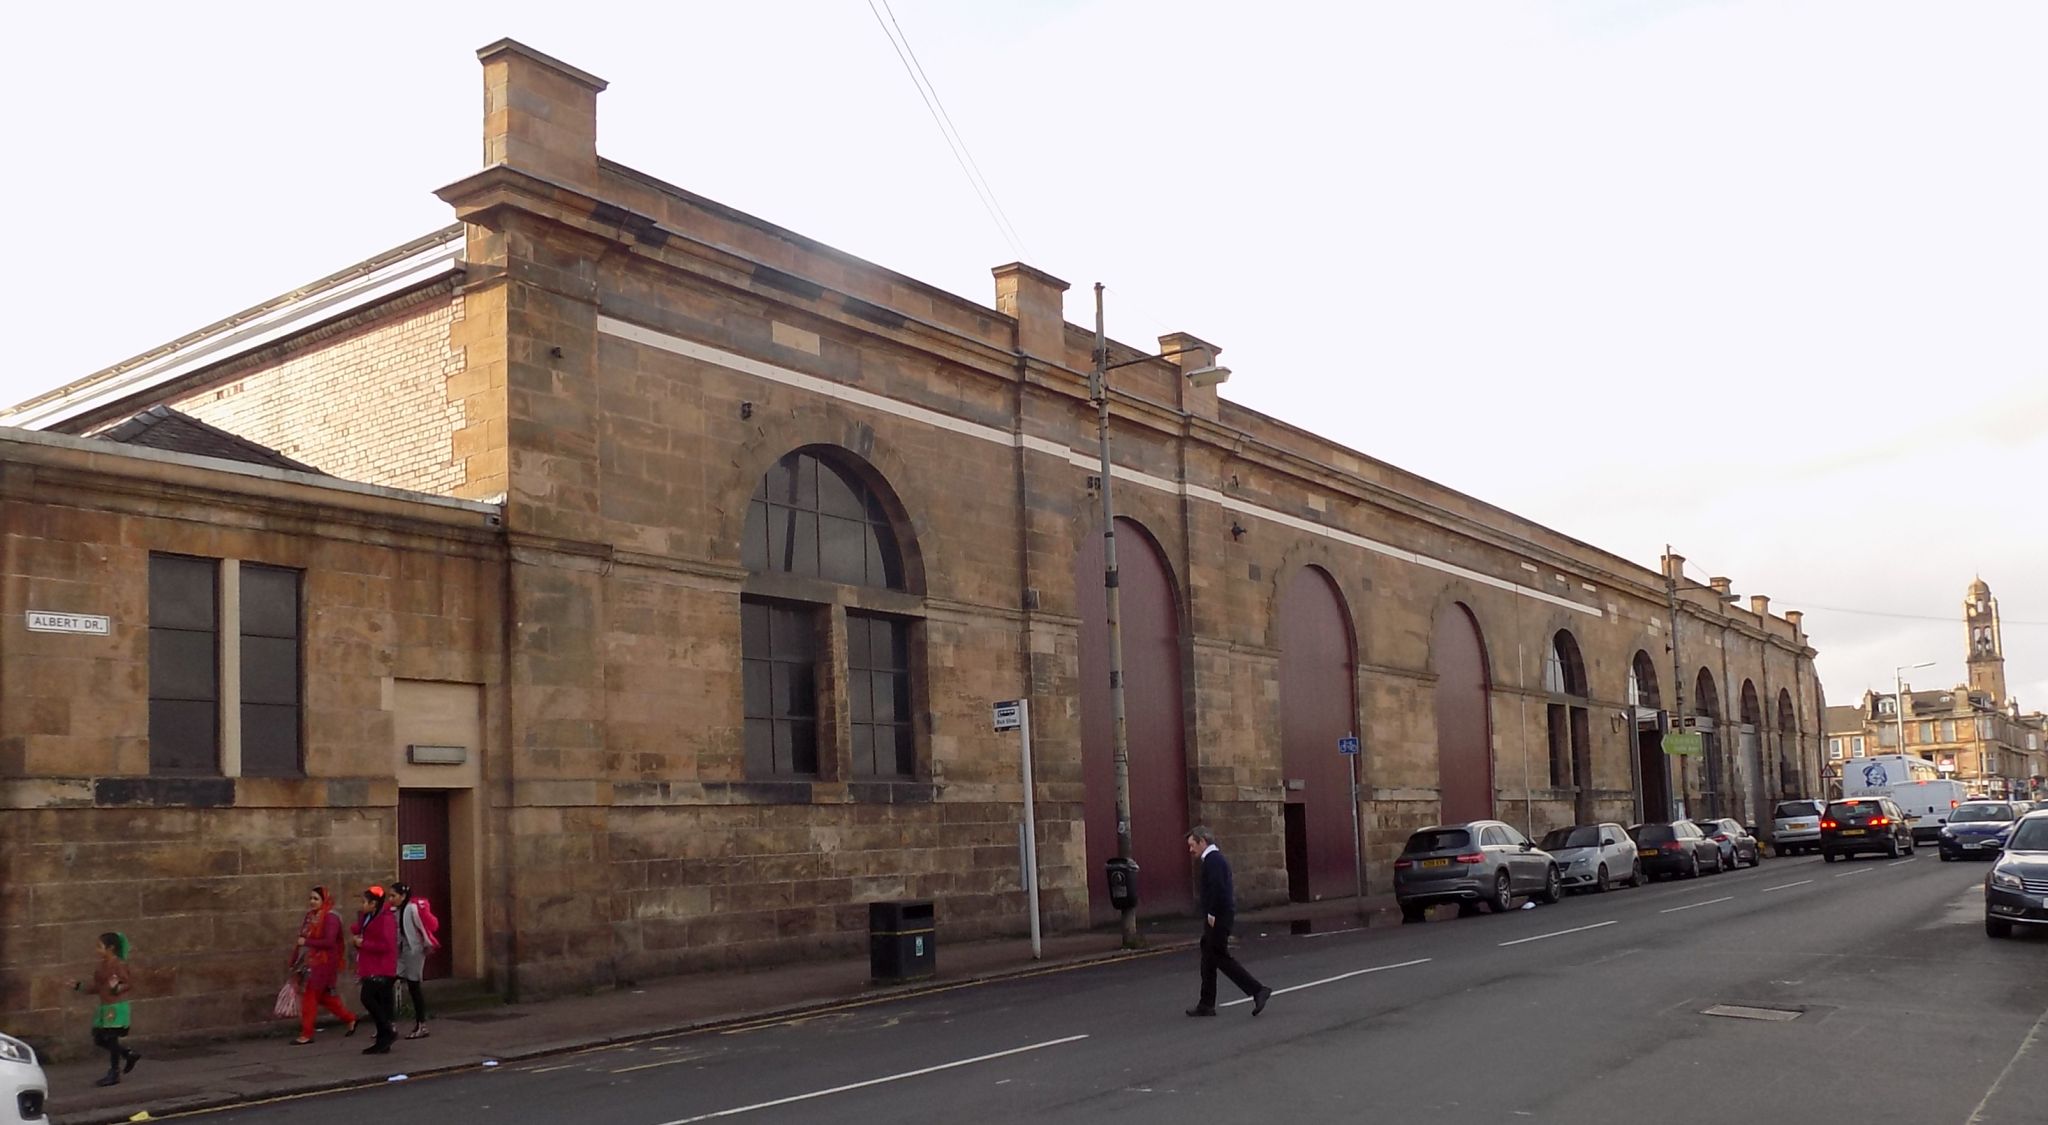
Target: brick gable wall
(371,405)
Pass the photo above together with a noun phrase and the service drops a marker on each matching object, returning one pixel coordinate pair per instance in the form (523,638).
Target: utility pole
(1121,747)
(1677,675)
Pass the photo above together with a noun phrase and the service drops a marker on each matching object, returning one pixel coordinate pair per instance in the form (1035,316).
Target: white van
(1912,782)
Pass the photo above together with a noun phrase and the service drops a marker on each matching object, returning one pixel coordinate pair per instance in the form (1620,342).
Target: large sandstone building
(638,575)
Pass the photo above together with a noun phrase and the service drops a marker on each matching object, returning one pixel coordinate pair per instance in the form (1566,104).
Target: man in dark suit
(1219,910)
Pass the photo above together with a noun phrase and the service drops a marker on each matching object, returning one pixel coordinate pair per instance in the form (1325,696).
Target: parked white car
(22,1082)
(1594,856)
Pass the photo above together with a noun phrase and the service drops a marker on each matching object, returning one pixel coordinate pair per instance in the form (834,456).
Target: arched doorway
(1569,722)
(1317,707)
(1749,757)
(1653,766)
(1153,722)
(1464,724)
(1790,783)
(1706,710)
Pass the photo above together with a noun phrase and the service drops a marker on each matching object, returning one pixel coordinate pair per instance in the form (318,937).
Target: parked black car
(1738,844)
(2016,890)
(1675,847)
(1864,824)
(1486,861)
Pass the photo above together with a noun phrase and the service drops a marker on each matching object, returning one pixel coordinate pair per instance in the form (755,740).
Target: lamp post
(1098,390)
(1899,697)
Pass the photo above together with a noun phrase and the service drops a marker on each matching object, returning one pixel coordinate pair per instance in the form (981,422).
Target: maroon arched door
(1317,708)
(1153,718)
(1464,727)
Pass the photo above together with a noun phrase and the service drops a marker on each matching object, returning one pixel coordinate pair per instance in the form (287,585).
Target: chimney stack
(1195,353)
(1036,300)
(1795,617)
(1760,605)
(1674,567)
(540,115)
(1724,588)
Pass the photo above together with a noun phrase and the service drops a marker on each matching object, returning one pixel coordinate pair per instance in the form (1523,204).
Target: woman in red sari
(318,959)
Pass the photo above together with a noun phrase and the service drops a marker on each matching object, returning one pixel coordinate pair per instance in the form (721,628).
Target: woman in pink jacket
(376,938)
(318,959)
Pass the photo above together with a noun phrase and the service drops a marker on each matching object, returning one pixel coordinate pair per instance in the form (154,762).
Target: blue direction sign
(1348,744)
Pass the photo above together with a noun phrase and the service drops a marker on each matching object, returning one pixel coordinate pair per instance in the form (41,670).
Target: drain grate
(1743,1012)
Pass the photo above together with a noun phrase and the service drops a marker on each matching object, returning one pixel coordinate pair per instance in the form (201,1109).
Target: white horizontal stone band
(718,357)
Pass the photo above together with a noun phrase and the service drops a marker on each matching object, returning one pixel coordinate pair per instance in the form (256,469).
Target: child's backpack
(429,925)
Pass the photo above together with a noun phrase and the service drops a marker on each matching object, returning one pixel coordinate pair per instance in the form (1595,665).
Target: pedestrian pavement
(182,1078)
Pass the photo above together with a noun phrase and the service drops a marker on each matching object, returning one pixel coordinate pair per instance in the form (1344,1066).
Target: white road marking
(663,1062)
(1561,933)
(1330,980)
(546,1069)
(737,1110)
(1334,933)
(1896,862)
(1846,874)
(2026,1044)
(1785,886)
(1689,906)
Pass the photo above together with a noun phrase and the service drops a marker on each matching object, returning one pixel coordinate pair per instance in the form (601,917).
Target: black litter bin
(1123,882)
(901,942)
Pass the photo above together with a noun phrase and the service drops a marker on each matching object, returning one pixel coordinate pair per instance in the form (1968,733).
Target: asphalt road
(1589,1011)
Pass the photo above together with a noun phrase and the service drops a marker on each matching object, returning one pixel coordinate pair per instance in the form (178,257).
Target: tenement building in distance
(635,577)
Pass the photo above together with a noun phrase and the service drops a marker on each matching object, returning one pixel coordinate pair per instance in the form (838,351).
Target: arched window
(815,527)
(1570,725)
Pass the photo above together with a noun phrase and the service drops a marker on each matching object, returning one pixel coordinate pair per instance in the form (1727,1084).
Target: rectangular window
(270,672)
(1560,745)
(1948,730)
(184,665)
(1835,748)
(1927,731)
(878,670)
(1858,747)
(778,664)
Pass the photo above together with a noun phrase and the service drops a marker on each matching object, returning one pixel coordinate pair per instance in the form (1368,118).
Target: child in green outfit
(111,985)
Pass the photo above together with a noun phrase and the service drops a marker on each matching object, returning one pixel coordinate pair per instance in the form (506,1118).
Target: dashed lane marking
(921,1071)
(1859,871)
(1560,933)
(1690,905)
(1785,886)
(1331,980)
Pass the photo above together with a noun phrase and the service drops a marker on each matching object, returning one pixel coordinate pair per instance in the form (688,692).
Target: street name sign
(1684,743)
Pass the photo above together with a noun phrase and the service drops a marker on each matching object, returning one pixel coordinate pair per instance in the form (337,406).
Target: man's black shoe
(377,1049)
(1259,999)
(129,1064)
(1200,1011)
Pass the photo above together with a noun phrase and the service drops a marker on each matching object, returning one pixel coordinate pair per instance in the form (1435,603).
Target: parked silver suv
(1795,826)
(1485,861)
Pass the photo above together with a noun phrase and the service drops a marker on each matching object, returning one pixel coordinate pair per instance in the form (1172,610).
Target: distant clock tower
(1987,651)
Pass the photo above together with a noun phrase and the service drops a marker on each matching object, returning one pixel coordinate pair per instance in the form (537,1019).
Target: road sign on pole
(1348,745)
(1009,714)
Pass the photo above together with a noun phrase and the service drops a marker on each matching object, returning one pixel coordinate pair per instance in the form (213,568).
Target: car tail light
(1828,824)
(1674,846)
(1403,864)
(1880,821)
(1720,837)
(1472,857)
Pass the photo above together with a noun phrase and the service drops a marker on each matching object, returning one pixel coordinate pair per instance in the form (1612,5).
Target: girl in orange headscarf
(318,958)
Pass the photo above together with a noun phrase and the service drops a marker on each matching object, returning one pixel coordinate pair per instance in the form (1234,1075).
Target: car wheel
(1414,912)
(1997,927)
(1503,896)
(1600,884)
(1720,862)
(1829,856)
(1635,873)
(1891,848)
(1553,888)
(1692,870)
(1756,857)
(1945,857)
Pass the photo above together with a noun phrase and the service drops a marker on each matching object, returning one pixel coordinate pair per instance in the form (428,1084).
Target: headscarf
(316,918)
(120,944)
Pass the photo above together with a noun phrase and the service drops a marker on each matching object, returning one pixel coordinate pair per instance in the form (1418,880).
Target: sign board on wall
(1684,743)
(90,624)
(1008,715)
(411,853)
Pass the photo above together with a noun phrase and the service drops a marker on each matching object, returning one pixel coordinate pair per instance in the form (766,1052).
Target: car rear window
(1653,833)
(1852,808)
(1581,836)
(1964,814)
(1438,840)
(1789,809)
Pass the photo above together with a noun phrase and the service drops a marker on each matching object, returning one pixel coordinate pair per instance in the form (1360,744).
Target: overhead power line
(929,94)
(1956,619)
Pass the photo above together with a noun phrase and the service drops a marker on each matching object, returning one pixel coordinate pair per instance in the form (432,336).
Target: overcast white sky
(1762,280)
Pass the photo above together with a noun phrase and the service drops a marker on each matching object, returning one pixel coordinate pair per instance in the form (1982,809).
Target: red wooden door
(1153,718)
(423,864)
(1464,729)
(1317,709)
